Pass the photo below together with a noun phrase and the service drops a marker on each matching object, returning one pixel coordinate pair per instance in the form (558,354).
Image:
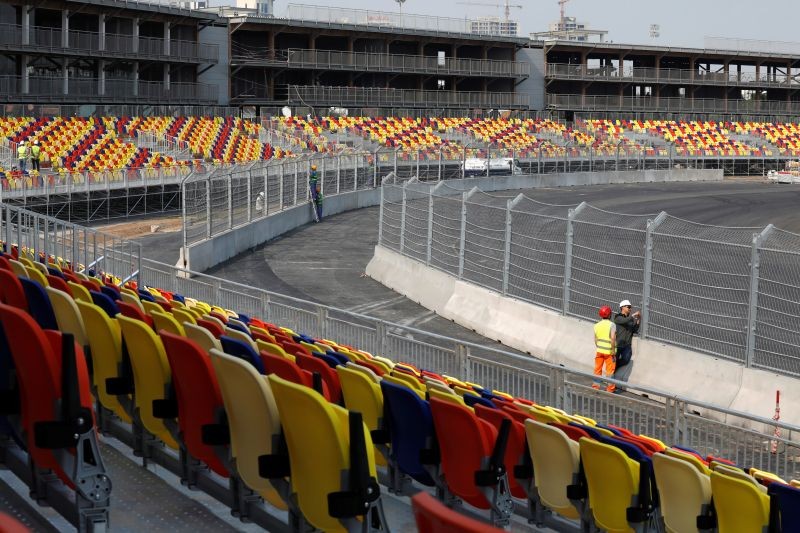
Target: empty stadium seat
(739,504)
(433,516)
(685,493)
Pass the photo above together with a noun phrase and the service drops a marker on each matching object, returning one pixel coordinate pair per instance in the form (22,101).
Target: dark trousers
(624,363)
(35,164)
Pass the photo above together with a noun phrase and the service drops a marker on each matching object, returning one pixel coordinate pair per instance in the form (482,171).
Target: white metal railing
(379,96)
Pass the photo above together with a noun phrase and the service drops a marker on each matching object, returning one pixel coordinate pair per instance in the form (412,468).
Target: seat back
(786,498)
(433,516)
(39,304)
(363,395)
(11,291)
(130,299)
(166,322)
(410,429)
(183,316)
(105,303)
(106,346)
(133,311)
(613,481)
(684,492)
(199,398)
(243,351)
(317,470)
(68,316)
(235,333)
(252,418)
(516,450)
(202,337)
(79,292)
(328,375)
(151,375)
(739,504)
(556,463)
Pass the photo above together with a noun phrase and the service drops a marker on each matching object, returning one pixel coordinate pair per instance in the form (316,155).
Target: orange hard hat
(605,312)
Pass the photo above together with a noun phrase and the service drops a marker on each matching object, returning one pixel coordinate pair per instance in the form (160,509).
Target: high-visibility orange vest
(602,337)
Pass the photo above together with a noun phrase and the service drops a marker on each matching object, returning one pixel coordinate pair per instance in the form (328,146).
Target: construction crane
(504,5)
(561,4)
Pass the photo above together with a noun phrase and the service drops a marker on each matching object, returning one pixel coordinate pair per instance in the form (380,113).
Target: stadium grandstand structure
(508,444)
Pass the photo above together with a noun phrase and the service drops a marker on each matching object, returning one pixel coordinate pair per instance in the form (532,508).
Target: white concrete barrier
(568,341)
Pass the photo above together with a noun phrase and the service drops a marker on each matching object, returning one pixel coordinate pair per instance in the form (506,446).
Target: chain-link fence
(730,292)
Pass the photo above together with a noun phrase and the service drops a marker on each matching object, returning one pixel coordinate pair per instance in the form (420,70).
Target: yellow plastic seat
(40,267)
(240,336)
(392,379)
(452,398)
(253,421)
(183,316)
(202,337)
(151,376)
(18,268)
(79,292)
(26,261)
(613,482)
(273,349)
(126,296)
(795,483)
(439,386)
(215,320)
(366,371)
(165,321)
(685,492)
(737,473)
(543,416)
(105,341)
(382,365)
(739,504)
(763,475)
(318,438)
(461,391)
(262,331)
(689,458)
(311,347)
(151,307)
(410,381)
(68,316)
(363,394)
(556,464)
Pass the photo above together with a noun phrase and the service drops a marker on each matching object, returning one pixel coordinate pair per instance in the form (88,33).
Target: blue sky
(683,22)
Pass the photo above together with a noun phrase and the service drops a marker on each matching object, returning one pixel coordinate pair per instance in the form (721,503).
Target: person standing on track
(605,342)
(315,190)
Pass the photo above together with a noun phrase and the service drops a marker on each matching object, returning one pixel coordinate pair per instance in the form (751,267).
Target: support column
(101,31)
(135,78)
(739,72)
(752,315)
(65,29)
(167,79)
(26,23)
(65,76)
(135,43)
(648,271)
(101,77)
(271,44)
(167,37)
(25,81)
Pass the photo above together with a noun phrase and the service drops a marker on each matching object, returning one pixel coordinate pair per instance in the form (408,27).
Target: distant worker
(36,154)
(627,326)
(605,342)
(22,156)
(261,203)
(316,191)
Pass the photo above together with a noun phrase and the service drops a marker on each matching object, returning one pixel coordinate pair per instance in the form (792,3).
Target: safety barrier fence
(745,438)
(730,292)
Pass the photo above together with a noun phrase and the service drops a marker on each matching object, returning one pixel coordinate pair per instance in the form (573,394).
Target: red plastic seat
(37,359)
(131,311)
(4,264)
(286,369)
(199,399)
(211,326)
(90,284)
(516,449)
(517,414)
(11,291)
(372,366)
(432,516)
(294,348)
(8,524)
(59,283)
(573,432)
(328,375)
(466,443)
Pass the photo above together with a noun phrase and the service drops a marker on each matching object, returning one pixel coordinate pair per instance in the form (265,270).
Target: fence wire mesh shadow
(730,292)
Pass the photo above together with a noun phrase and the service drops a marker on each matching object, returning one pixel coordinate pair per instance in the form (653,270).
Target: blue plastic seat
(146,296)
(340,357)
(593,433)
(55,272)
(784,507)
(332,361)
(39,304)
(472,401)
(105,303)
(410,430)
(238,327)
(179,297)
(111,293)
(242,317)
(243,351)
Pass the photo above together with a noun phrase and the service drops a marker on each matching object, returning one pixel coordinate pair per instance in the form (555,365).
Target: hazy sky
(683,22)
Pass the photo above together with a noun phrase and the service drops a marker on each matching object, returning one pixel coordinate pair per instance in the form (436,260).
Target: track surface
(325,262)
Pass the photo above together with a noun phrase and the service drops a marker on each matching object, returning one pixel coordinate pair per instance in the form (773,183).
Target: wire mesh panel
(219,205)
(446,230)
(329,174)
(392,213)
(240,197)
(415,223)
(700,287)
(777,328)
(259,193)
(288,180)
(484,240)
(195,219)
(402,347)
(519,376)
(536,253)
(607,260)
(274,188)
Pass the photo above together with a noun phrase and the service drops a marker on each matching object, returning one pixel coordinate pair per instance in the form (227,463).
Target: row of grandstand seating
(284,415)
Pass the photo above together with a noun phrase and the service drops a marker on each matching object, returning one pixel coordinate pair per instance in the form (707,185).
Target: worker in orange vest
(605,342)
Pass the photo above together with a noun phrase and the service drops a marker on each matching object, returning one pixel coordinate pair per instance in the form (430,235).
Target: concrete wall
(534,85)
(203,255)
(218,74)
(568,341)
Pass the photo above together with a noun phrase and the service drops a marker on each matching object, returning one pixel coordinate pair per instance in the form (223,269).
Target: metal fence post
(230,201)
(338,174)
(568,255)
(380,217)
(249,198)
(429,242)
(296,191)
(752,315)
(463,239)
(322,322)
(403,219)
(439,172)
(208,207)
(280,189)
(510,204)
(648,271)
(462,361)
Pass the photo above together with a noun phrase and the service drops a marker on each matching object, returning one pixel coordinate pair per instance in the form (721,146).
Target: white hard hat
(624,303)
